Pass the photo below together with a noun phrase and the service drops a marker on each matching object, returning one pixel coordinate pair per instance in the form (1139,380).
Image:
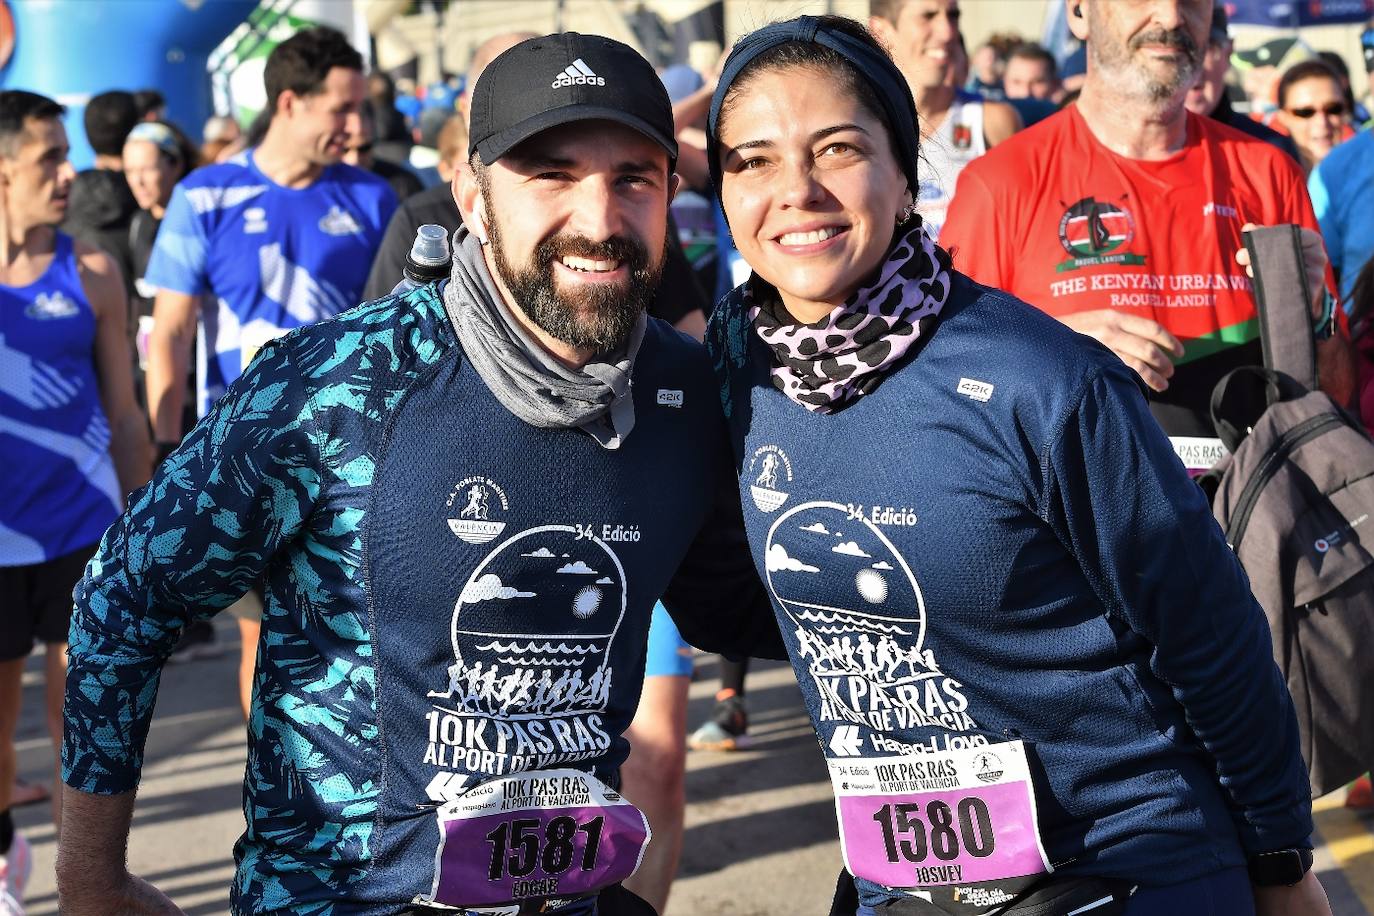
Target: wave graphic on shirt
(859,623)
(495,646)
(32,382)
(205,200)
(94,463)
(304,297)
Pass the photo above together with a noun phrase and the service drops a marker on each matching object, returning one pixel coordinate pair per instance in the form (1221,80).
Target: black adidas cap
(555,79)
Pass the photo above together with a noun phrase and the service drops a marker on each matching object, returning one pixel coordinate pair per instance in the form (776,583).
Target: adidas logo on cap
(577,74)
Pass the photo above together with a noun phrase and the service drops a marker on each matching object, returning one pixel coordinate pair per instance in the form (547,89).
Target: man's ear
(674,185)
(467,194)
(1077,18)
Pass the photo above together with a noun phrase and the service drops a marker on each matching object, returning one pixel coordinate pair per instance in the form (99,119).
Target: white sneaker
(14,875)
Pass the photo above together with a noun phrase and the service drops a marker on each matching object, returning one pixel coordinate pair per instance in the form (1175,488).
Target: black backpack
(1296,500)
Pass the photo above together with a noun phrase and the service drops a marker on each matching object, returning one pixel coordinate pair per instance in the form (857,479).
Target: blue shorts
(668,654)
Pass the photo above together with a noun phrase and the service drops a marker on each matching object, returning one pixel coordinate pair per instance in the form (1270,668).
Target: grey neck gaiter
(525,378)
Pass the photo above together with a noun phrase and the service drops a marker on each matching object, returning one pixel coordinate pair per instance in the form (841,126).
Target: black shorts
(36,601)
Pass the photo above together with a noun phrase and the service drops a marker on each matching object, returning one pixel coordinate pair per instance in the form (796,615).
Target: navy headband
(875,68)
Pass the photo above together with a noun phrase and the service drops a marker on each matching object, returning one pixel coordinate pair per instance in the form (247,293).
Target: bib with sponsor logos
(545,834)
(957,817)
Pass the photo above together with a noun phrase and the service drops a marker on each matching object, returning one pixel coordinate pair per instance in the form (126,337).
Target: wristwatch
(1281,867)
(1325,326)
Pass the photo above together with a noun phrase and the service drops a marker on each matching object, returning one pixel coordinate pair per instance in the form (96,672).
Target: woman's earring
(906,213)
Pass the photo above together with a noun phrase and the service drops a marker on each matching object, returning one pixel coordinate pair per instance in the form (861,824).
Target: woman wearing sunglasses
(1035,669)
(1312,109)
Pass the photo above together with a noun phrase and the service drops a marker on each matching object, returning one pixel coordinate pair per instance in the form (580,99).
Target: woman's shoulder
(1038,367)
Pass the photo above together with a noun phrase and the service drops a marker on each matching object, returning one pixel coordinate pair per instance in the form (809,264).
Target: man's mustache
(1177,39)
(617,248)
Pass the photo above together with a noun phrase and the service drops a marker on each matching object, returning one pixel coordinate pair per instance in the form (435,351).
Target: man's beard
(597,317)
(1120,62)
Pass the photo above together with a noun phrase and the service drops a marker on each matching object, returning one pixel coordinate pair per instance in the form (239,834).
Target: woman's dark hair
(1306,70)
(303,61)
(846,79)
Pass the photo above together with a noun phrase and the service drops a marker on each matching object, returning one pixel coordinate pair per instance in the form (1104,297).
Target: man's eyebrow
(639,167)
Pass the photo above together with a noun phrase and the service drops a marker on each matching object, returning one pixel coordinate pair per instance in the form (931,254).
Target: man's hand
(92,879)
(1314,262)
(131,897)
(1306,898)
(1142,344)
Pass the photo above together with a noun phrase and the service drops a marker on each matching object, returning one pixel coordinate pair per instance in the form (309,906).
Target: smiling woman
(998,587)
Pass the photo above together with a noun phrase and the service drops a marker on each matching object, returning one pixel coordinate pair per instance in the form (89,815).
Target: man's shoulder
(1250,159)
(358,182)
(1041,351)
(223,185)
(396,335)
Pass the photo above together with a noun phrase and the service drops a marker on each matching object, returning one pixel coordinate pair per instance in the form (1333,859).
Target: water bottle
(429,259)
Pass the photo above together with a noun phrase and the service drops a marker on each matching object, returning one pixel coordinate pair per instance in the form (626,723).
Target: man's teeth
(588,265)
(809,238)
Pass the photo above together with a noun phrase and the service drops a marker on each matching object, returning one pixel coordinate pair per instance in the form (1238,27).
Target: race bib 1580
(923,820)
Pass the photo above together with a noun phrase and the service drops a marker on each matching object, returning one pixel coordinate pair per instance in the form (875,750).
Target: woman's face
(1314,113)
(150,175)
(809,185)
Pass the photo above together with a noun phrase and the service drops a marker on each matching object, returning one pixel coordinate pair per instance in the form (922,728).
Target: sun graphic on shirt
(586,601)
(871,585)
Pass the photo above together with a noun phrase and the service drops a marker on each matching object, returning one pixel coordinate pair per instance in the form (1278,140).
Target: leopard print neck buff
(824,365)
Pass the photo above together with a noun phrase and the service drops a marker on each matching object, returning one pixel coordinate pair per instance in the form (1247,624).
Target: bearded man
(440,700)
(1121,216)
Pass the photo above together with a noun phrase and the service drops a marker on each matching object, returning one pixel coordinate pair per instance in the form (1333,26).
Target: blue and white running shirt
(270,258)
(60,491)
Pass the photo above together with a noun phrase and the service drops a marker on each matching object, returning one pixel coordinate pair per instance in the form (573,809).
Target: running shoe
(1361,794)
(727,729)
(197,642)
(15,866)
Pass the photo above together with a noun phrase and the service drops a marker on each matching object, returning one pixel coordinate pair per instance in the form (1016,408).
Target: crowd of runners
(962,313)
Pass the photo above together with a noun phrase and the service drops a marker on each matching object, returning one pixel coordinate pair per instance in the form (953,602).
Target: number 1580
(907,833)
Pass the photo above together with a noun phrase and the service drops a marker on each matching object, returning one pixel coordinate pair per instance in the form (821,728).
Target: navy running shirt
(269,258)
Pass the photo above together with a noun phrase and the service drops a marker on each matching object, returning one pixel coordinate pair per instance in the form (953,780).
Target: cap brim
(497,145)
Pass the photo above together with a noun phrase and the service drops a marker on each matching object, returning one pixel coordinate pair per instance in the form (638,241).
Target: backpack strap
(1281,296)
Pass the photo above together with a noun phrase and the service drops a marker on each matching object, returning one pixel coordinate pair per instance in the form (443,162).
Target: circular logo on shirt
(1322,545)
(477,499)
(1092,227)
(771,471)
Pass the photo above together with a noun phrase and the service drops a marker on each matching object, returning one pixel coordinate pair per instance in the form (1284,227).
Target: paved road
(760,837)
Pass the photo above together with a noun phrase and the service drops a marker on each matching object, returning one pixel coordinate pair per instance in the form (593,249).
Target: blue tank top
(60,491)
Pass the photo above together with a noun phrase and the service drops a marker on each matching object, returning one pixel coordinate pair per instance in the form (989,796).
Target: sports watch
(1281,867)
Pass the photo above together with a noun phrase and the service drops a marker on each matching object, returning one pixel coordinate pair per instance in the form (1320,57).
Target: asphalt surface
(760,834)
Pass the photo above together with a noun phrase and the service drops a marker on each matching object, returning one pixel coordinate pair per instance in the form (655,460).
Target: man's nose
(597,211)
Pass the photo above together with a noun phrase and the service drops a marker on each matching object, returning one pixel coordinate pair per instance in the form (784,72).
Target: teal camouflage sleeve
(192,542)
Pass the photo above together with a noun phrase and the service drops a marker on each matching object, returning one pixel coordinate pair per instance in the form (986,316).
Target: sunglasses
(1334,110)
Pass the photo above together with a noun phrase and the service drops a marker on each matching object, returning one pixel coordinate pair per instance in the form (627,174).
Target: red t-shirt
(1057,219)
